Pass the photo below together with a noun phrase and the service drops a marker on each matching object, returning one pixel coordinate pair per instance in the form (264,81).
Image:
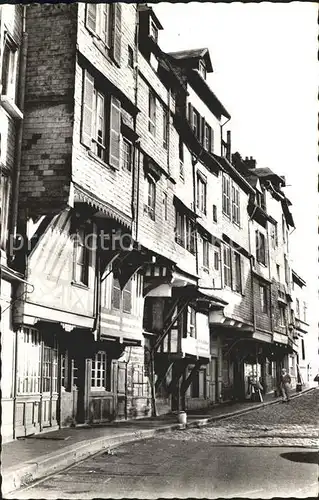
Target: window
(214,213)
(153,31)
(261,247)
(216,260)
(122,300)
(201,194)
(287,270)
(165,128)
(181,158)
(227,266)
(9,71)
(81,257)
(185,231)
(165,205)
(5,191)
(202,69)
(237,277)
(282,315)
(297,308)
(274,235)
(278,271)
(263,298)
(127,297)
(151,112)
(226,195)
(29,363)
(105,22)
(196,123)
(207,138)
(149,206)
(94,119)
(116,294)
(98,372)
(305,312)
(235,205)
(283,222)
(130,56)
(260,199)
(127,155)
(205,254)
(191,322)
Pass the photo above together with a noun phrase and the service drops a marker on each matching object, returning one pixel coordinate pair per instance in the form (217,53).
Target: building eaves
(205,92)
(297,279)
(234,174)
(185,55)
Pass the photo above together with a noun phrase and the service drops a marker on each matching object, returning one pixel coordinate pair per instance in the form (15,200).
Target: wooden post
(152,379)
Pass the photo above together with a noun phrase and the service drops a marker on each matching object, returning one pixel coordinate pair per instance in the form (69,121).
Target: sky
(264,57)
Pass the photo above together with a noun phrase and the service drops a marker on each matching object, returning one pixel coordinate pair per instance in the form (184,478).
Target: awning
(83,196)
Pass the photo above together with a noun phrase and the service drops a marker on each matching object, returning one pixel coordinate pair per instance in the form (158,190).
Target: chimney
(228,146)
(250,162)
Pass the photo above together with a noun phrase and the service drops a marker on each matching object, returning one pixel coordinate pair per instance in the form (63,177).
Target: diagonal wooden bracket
(185,385)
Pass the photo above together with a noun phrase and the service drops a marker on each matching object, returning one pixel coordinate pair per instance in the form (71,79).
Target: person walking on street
(285,381)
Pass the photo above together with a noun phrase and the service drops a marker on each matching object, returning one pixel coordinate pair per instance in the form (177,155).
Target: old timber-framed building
(151,266)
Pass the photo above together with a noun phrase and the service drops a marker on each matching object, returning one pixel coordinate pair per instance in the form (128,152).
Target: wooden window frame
(263,294)
(226,196)
(237,273)
(152,112)
(99,372)
(191,322)
(127,155)
(216,260)
(205,254)
(79,242)
(235,204)
(150,202)
(201,192)
(202,69)
(9,75)
(165,128)
(261,248)
(104,22)
(227,266)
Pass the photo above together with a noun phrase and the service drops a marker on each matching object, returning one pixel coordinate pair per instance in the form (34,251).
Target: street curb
(206,421)
(13,478)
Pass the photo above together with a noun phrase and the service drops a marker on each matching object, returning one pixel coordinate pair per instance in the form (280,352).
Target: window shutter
(242,280)
(115,125)
(202,131)
(87,109)
(211,141)
(117,32)
(257,245)
(190,114)
(91,16)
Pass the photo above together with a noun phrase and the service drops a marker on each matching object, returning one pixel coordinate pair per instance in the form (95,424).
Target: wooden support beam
(179,369)
(188,381)
(162,376)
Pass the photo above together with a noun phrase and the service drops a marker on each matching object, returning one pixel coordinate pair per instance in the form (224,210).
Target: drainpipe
(18,154)
(270,296)
(194,210)
(135,148)
(251,271)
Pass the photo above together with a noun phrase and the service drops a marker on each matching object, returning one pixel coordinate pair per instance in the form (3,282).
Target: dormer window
(153,31)
(202,69)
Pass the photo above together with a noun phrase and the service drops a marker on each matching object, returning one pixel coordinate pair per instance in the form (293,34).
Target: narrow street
(261,454)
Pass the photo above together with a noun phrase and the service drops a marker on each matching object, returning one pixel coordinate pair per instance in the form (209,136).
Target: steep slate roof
(194,54)
(266,172)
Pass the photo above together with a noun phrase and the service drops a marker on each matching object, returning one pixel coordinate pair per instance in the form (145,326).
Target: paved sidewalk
(27,459)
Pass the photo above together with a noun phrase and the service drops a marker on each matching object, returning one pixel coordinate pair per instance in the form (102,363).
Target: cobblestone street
(265,453)
(284,424)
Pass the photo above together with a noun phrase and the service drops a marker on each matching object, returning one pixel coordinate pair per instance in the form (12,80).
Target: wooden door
(49,397)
